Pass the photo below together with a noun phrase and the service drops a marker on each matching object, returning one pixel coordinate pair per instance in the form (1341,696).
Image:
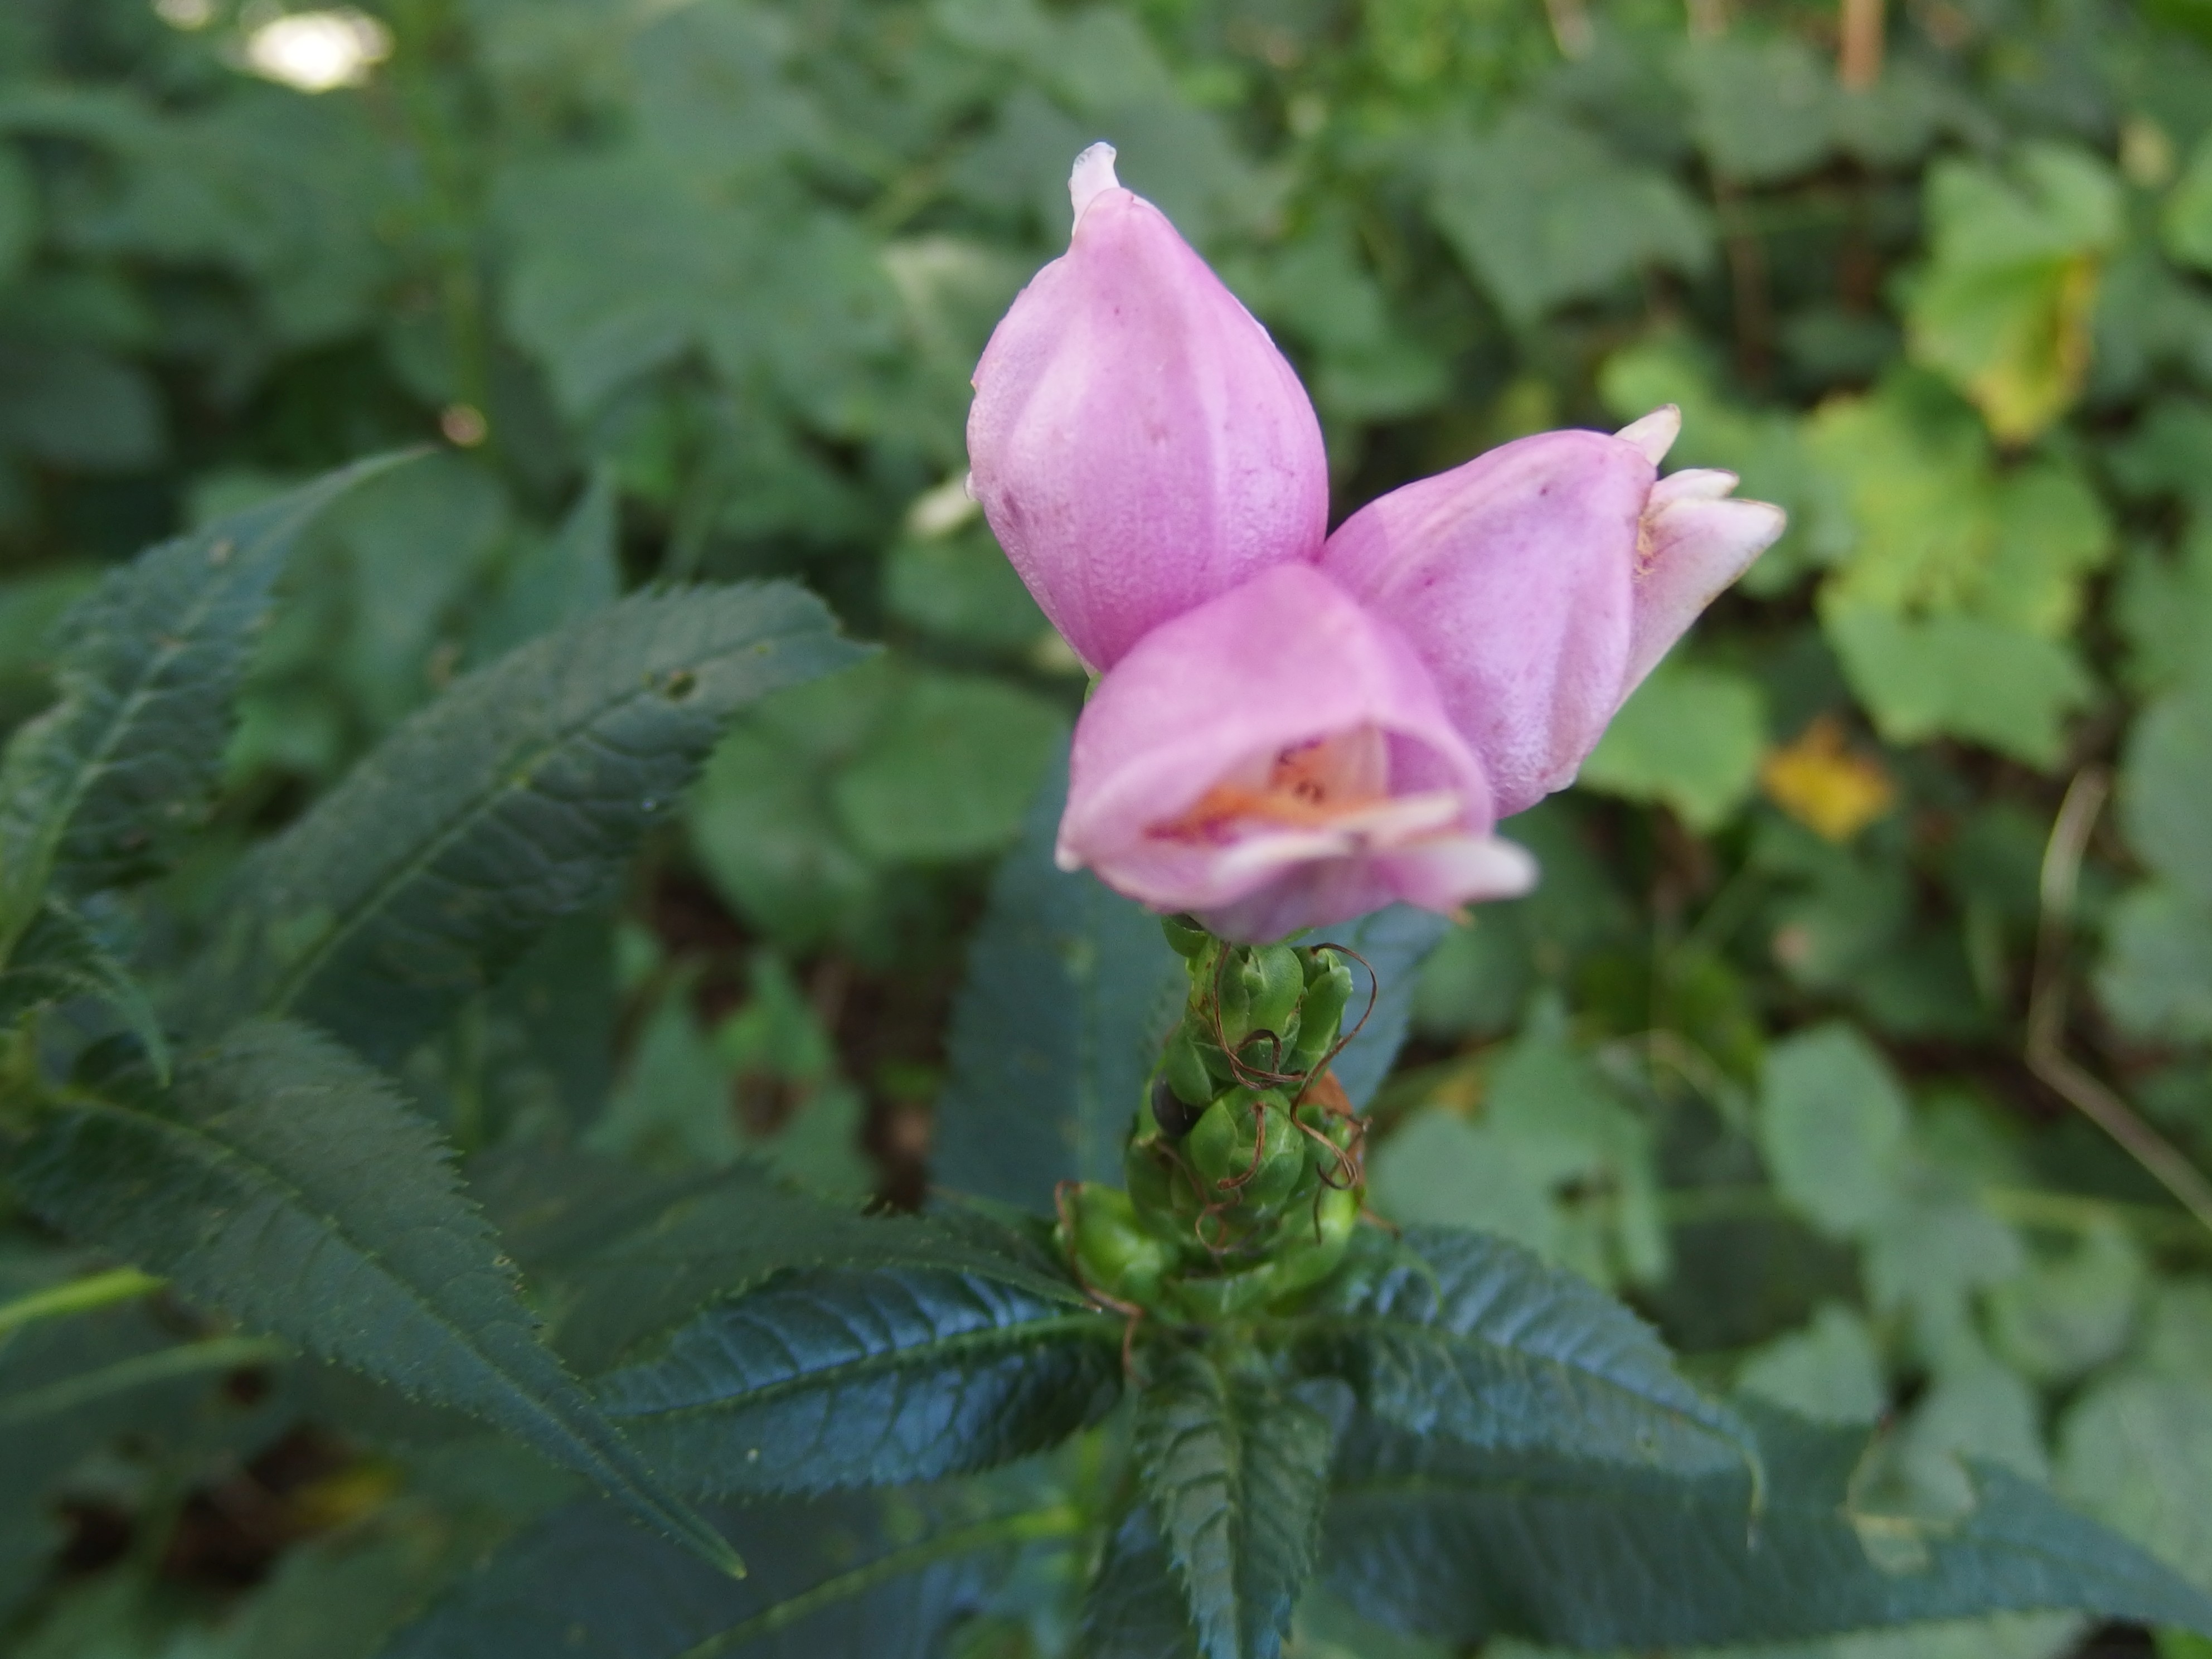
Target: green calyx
(1243,1164)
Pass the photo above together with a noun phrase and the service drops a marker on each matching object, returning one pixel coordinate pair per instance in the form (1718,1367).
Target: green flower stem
(78,1296)
(1030,1526)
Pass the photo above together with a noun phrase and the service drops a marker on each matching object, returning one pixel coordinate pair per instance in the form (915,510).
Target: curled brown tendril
(1252,1076)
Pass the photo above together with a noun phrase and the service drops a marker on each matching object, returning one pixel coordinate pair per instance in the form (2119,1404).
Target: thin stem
(2046,1006)
(1858,65)
(78,1296)
(1570,26)
(1032,1526)
(219,1353)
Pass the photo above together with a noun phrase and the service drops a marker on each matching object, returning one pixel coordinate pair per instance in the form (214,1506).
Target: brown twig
(1570,26)
(2046,1006)
(1858,60)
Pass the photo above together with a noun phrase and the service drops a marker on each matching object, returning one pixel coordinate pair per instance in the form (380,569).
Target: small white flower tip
(1093,175)
(1654,434)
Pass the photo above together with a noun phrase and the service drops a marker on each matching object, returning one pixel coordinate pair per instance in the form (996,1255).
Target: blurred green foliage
(694,289)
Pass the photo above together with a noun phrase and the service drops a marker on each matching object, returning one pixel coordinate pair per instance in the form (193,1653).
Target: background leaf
(870,1573)
(101,787)
(1588,1557)
(286,1183)
(506,804)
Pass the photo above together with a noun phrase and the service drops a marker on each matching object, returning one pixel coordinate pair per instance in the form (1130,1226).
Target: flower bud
(1186,938)
(1542,581)
(1248,1150)
(1321,1017)
(1137,443)
(1513,576)
(1259,992)
(1278,759)
(1184,1068)
(1113,1251)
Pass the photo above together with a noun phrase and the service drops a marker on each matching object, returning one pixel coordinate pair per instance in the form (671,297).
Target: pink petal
(1283,661)
(1653,434)
(1512,577)
(1137,443)
(1695,542)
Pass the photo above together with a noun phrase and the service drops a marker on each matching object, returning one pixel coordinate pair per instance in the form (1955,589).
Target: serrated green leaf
(1829,1372)
(1690,736)
(1833,1123)
(511,801)
(1963,675)
(1760,110)
(58,958)
(2157,976)
(2004,305)
(1132,1607)
(1551,1123)
(1394,943)
(1542,212)
(2187,219)
(1237,1470)
(1585,1555)
(620,1257)
(868,1376)
(2166,788)
(1069,992)
(96,789)
(1471,1341)
(283,1181)
(879,1574)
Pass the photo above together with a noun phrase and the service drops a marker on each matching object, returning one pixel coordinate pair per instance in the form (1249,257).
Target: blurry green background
(692,289)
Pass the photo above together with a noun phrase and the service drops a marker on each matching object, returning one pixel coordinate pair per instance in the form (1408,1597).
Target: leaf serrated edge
(618,1473)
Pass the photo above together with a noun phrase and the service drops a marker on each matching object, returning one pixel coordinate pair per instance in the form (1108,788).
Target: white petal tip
(1093,175)
(1067,859)
(1654,434)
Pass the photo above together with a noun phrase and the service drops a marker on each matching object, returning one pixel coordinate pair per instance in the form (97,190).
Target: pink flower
(1291,731)
(1276,759)
(1137,443)
(1541,582)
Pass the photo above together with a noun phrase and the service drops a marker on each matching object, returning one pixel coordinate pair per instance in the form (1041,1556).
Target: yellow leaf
(1819,781)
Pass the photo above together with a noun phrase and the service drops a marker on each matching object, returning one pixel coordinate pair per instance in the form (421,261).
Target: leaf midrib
(1444,1338)
(1090,1327)
(198,1144)
(139,691)
(1592,1489)
(474,808)
(1030,1526)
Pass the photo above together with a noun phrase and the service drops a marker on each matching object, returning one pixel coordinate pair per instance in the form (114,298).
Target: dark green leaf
(1395,942)
(58,958)
(284,1182)
(869,1377)
(1069,993)
(1578,1554)
(95,789)
(1237,1470)
(1134,1608)
(1467,1339)
(509,802)
(1542,211)
(619,1256)
(2165,789)
(882,1575)
(71,1385)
